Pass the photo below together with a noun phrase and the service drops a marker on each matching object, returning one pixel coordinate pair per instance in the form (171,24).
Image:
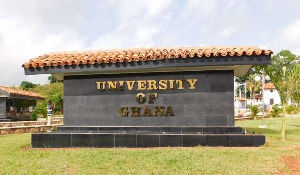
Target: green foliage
(25,85)
(251,72)
(282,73)
(252,85)
(296,94)
(52,79)
(294,87)
(290,109)
(33,116)
(254,111)
(286,81)
(293,109)
(276,111)
(41,108)
(53,92)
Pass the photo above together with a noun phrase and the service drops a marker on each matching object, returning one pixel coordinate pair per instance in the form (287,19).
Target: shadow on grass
(298,126)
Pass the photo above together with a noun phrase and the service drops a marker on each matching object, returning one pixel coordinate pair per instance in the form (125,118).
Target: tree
(284,75)
(254,111)
(252,85)
(52,79)
(53,92)
(295,96)
(25,85)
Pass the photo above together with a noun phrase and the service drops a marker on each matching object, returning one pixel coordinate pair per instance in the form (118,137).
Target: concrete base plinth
(112,137)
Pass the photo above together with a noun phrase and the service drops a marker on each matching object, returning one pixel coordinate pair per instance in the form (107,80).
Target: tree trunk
(283,123)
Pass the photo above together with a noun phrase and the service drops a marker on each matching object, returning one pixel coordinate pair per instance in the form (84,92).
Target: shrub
(291,109)
(254,111)
(275,111)
(33,117)
(41,108)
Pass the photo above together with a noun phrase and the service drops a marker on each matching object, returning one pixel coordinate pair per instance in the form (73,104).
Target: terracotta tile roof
(138,54)
(241,99)
(14,91)
(258,96)
(269,86)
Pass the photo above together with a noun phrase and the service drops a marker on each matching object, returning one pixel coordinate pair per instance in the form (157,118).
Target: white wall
(268,94)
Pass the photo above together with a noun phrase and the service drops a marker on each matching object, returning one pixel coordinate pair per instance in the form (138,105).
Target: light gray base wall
(2,107)
(210,104)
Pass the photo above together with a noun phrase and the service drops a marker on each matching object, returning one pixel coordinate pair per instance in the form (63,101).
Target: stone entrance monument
(148,97)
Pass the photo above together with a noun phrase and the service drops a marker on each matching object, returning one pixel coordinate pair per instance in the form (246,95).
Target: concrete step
(4,120)
(134,140)
(152,129)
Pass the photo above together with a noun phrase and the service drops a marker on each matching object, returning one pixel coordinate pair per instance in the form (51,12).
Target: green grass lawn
(16,156)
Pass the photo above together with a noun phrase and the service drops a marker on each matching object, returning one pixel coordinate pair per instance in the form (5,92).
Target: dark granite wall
(2,107)
(210,104)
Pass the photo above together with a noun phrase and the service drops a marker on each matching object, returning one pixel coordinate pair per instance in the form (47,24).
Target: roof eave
(188,64)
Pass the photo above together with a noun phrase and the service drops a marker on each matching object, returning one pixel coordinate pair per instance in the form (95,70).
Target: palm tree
(252,85)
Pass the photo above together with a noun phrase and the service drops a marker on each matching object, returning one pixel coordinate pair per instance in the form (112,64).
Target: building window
(271,90)
(271,101)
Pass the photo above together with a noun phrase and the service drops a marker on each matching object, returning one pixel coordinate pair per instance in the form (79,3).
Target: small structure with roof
(148,97)
(16,104)
(271,95)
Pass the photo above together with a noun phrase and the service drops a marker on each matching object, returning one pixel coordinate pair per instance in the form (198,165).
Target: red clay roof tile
(138,54)
(269,86)
(15,91)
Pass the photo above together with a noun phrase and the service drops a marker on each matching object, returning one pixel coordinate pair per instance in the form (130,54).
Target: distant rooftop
(269,86)
(13,92)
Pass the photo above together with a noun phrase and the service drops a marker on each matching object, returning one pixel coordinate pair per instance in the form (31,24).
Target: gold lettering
(121,83)
(112,85)
(169,111)
(163,84)
(192,83)
(147,112)
(152,85)
(152,97)
(146,85)
(180,84)
(103,86)
(159,110)
(130,85)
(171,84)
(141,85)
(98,85)
(136,111)
(123,111)
(138,98)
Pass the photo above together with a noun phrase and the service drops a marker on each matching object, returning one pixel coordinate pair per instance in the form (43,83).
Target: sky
(31,28)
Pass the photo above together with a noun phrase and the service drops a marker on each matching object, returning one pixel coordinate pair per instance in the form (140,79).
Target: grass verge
(16,156)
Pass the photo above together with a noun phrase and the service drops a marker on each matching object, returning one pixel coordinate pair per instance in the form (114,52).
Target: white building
(271,95)
(240,102)
(256,101)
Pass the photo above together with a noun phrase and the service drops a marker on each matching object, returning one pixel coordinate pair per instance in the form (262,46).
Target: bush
(254,111)
(41,108)
(291,109)
(275,111)
(33,117)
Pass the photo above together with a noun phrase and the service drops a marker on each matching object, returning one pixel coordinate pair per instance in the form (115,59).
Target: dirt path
(293,163)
